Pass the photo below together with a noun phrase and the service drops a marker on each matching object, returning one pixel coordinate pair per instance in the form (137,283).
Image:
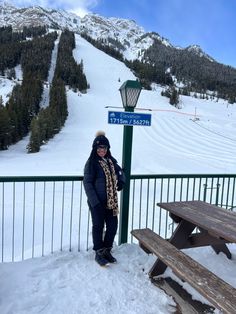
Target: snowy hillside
(173,144)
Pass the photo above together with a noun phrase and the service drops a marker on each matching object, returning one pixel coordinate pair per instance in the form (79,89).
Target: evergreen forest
(32,49)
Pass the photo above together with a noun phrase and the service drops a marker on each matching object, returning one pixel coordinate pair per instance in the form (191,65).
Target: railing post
(217,193)
(205,192)
(125,194)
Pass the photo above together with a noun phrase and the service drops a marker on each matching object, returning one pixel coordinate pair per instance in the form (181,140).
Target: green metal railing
(147,190)
(41,215)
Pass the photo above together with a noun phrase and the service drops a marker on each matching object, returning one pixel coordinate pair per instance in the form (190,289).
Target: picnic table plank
(214,289)
(217,221)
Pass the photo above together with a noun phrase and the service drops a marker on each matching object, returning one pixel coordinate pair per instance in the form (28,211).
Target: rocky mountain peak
(132,38)
(198,51)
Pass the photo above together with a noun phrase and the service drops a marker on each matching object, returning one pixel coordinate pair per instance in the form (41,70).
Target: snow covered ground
(72,282)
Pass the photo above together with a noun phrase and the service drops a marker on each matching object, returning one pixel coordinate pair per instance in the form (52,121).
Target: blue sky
(210,24)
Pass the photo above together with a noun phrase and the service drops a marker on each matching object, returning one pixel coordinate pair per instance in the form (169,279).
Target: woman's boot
(107,255)
(100,258)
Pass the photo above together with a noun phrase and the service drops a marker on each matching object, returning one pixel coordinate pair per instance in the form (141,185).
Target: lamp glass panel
(132,97)
(123,97)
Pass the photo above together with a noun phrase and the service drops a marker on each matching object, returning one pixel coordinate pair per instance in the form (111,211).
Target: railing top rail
(40,178)
(133,176)
(170,176)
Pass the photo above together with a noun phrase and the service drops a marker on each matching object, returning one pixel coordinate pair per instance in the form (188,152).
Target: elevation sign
(129,118)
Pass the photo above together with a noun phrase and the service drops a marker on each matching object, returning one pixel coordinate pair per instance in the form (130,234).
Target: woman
(103,177)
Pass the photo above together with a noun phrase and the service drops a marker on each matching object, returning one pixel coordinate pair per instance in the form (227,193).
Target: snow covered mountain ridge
(132,38)
(198,51)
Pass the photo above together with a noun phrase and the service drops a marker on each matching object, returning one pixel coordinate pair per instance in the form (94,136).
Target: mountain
(132,38)
(150,56)
(174,144)
(36,16)
(128,37)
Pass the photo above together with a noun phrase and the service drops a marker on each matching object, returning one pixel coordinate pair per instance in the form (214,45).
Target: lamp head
(130,91)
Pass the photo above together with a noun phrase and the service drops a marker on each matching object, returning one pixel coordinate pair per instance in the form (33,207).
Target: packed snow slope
(174,143)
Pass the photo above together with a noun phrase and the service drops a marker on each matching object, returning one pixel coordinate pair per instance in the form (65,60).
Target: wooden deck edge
(184,301)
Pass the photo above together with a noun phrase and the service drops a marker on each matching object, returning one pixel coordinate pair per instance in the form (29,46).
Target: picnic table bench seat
(219,293)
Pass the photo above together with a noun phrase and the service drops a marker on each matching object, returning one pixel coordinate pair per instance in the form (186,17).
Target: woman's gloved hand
(120,185)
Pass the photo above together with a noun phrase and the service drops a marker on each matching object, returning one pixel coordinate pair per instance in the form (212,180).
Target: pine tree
(231,99)
(174,97)
(4,128)
(1,101)
(35,138)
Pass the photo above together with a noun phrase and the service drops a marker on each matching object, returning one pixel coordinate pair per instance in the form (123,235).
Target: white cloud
(79,7)
(80,11)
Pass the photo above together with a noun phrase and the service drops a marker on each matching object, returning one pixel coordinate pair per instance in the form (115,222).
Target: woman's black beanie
(100,139)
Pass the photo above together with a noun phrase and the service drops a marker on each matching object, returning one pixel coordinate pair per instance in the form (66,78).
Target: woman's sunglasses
(102,147)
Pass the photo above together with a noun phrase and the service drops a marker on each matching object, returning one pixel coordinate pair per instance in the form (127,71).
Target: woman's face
(102,150)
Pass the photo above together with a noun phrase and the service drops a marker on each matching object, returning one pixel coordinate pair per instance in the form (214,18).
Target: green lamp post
(130,91)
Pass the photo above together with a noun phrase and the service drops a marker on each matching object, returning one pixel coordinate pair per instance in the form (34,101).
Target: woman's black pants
(103,218)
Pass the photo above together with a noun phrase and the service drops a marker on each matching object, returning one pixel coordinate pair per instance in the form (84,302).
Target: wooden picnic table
(215,227)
